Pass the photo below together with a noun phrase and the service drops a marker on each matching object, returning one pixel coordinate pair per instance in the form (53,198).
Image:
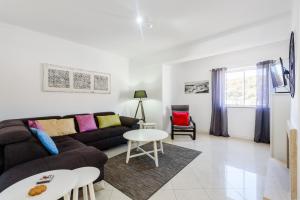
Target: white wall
(241,121)
(22,51)
(149,79)
(295,104)
(281,104)
(149,67)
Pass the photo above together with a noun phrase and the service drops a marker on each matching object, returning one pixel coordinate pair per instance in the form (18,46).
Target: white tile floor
(228,168)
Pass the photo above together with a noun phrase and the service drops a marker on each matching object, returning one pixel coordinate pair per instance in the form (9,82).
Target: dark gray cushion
(100,134)
(12,133)
(66,143)
(24,151)
(128,121)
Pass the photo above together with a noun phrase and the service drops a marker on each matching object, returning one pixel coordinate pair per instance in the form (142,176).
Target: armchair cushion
(181,118)
(190,126)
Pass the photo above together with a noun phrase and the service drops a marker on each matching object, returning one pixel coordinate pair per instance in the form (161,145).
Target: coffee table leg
(137,146)
(155,153)
(85,193)
(161,147)
(75,194)
(92,192)
(128,151)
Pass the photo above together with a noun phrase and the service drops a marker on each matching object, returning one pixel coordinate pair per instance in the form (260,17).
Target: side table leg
(161,147)
(92,192)
(155,153)
(75,193)
(67,196)
(85,193)
(128,151)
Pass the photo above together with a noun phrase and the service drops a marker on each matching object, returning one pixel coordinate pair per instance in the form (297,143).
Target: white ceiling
(111,25)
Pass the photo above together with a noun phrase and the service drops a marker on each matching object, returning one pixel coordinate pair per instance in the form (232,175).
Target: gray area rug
(140,179)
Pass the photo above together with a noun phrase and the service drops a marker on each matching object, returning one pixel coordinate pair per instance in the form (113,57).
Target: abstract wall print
(101,83)
(64,79)
(56,78)
(196,87)
(82,81)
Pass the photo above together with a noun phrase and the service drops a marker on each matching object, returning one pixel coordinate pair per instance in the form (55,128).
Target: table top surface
(63,182)
(86,175)
(145,135)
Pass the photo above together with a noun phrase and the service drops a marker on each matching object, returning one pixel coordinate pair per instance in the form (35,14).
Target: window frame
(241,69)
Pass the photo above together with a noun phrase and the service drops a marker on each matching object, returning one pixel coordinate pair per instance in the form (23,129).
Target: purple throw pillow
(34,124)
(86,122)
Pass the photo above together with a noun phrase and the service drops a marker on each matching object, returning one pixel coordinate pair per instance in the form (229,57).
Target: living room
(143,100)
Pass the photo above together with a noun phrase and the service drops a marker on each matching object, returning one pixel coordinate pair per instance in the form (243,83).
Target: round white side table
(86,177)
(60,186)
(145,135)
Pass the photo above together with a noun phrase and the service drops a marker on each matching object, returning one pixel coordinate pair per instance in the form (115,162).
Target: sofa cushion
(12,122)
(11,133)
(128,121)
(45,140)
(75,121)
(58,127)
(101,114)
(49,126)
(24,151)
(86,122)
(66,143)
(92,136)
(65,126)
(108,121)
(81,157)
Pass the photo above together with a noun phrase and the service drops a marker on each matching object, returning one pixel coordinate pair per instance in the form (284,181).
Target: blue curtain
(219,119)
(262,115)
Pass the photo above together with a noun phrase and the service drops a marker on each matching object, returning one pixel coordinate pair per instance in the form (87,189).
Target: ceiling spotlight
(144,23)
(139,20)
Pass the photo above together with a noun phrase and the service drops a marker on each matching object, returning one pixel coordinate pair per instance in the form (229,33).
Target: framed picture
(101,83)
(196,87)
(56,78)
(82,81)
(64,79)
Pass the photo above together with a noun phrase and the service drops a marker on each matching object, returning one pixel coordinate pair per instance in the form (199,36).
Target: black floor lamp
(140,94)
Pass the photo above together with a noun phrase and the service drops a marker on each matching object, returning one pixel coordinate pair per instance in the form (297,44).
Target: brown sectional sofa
(22,155)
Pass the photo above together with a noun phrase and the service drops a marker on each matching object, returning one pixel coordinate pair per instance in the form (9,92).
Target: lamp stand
(142,108)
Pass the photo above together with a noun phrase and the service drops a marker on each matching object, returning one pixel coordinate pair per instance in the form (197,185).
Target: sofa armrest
(129,122)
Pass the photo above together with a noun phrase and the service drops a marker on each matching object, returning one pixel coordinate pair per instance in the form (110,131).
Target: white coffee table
(145,135)
(63,182)
(86,177)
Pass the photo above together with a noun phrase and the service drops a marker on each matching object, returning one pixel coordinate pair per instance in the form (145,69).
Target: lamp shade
(140,94)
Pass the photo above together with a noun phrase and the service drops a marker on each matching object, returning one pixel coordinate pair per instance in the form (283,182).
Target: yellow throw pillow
(65,126)
(108,121)
(58,127)
(49,126)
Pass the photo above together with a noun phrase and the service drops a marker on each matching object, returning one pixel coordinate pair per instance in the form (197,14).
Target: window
(241,88)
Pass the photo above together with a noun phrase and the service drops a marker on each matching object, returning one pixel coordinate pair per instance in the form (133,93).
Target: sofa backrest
(17,145)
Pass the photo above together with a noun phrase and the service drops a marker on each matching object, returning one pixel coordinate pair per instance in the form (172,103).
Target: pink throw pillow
(34,124)
(86,122)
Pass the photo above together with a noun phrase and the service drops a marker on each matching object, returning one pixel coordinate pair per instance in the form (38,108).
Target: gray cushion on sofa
(100,134)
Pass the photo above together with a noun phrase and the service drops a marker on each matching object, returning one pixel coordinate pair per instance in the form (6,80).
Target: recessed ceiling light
(139,20)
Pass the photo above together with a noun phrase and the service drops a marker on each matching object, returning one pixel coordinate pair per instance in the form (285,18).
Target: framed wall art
(64,79)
